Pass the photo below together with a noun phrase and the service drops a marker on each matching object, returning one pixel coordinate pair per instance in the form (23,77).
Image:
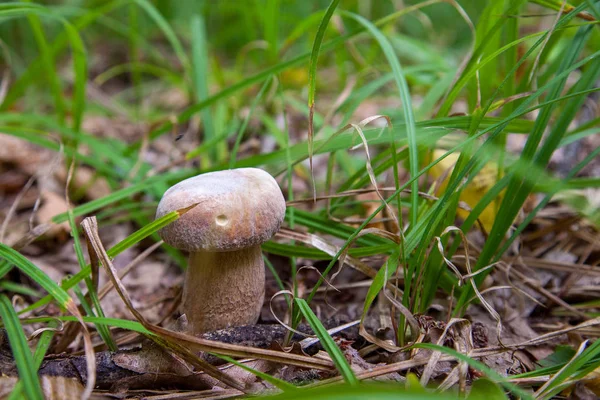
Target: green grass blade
(260,76)
(43,343)
(409,118)
(35,69)
(115,322)
(278,383)
(14,287)
(200,62)
(595,153)
(143,233)
(364,391)
(557,5)
(578,368)
(102,329)
(539,155)
(312,72)
(487,38)
(77,48)
(486,389)
(595,8)
(479,366)
(271,27)
(474,62)
(120,195)
(328,344)
(20,350)
(291,211)
(48,61)
(117,249)
(167,30)
(134,54)
(36,274)
(380,280)
(240,134)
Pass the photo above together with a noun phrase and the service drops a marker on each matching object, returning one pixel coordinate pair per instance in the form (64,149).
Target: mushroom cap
(236,209)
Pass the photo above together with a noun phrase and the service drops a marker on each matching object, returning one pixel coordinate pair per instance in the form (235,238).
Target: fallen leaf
(52,204)
(474,191)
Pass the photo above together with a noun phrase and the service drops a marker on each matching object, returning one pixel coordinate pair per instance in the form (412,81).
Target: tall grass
(462,78)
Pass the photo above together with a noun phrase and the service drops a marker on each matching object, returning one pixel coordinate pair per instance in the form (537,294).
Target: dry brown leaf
(370,202)
(28,157)
(85,178)
(52,205)
(14,150)
(151,359)
(53,387)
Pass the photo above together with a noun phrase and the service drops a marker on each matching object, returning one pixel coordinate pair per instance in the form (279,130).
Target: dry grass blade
(90,227)
(540,392)
(203,394)
(234,350)
(4,84)
(94,262)
(412,321)
(536,61)
(343,96)
(176,339)
(13,208)
(543,291)
(375,231)
(32,235)
(358,265)
(483,301)
(281,322)
(493,350)
(312,80)
(549,336)
(90,356)
(37,332)
(358,191)
(463,343)
(384,344)
(435,357)
(309,341)
(384,370)
(358,128)
(448,262)
(321,244)
(316,270)
(452,378)
(134,263)
(371,174)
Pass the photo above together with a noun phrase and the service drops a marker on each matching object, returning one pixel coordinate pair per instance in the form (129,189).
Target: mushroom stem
(223,289)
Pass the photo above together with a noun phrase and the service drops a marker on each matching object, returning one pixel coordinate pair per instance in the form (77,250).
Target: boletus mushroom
(237,210)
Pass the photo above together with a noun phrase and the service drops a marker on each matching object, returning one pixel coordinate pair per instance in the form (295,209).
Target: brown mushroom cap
(236,209)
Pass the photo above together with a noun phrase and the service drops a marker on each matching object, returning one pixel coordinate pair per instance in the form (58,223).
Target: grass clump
(439,159)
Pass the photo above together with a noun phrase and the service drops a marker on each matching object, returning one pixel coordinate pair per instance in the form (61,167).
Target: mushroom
(236,211)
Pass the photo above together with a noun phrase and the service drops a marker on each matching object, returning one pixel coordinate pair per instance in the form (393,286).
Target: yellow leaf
(474,191)
(294,78)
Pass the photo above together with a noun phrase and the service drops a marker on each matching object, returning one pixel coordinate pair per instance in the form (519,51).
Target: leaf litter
(543,292)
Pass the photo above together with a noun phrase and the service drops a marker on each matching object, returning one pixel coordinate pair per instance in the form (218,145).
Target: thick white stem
(223,289)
